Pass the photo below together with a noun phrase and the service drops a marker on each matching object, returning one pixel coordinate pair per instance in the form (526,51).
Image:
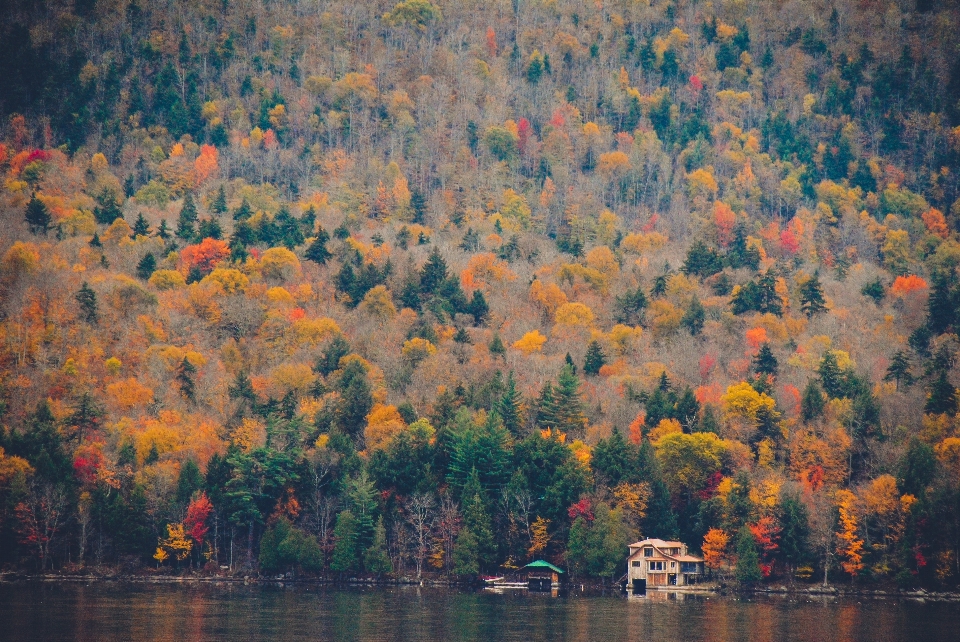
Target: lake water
(185,613)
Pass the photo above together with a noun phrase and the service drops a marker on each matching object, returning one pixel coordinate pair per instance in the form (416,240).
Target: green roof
(543,564)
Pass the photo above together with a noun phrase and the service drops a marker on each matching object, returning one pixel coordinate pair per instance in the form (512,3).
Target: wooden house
(655,562)
(542,576)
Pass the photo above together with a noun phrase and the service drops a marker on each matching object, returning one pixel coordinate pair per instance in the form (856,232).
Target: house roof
(688,558)
(543,564)
(659,543)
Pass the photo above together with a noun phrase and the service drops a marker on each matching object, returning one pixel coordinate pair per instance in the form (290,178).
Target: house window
(636,564)
(673,565)
(689,567)
(656,566)
(648,552)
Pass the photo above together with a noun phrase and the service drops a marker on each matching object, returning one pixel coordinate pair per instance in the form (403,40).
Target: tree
(344,558)
(702,261)
(187,221)
(375,559)
(184,378)
(899,370)
(567,407)
(37,215)
(874,290)
(794,530)
(146,266)
(318,252)
(496,346)
(87,299)
(849,544)
(764,363)
(694,317)
(714,550)
(219,204)
(594,360)
(510,407)
(941,396)
(478,308)
(140,227)
(811,296)
(747,569)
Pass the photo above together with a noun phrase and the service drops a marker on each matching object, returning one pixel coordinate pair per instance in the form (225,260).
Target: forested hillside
(364,287)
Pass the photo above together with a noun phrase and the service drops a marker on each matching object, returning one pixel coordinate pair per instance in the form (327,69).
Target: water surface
(104,612)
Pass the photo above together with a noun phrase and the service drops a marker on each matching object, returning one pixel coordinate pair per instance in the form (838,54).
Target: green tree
(187,221)
(702,261)
(37,215)
(496,346)
(694,317)
(375,559)
(812,402)
(794,530)
(764,363)
(476,520)
(219,204)
(87,300)
(567,405)
(107,209)
(185,375)
(318,252)
(356,399)
(594,360)
(140,227)
(146,266)
(874,290)
(344,556)
(595,547)
(811,296)
(899,370)
(189,481)
(466,554)
(747,570)
(510,407)
(478,308)
(941,396)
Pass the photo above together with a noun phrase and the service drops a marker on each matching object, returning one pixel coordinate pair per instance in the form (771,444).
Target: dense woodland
(443,287)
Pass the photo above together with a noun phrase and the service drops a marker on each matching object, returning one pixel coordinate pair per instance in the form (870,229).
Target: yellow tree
(849,544)
(715,549)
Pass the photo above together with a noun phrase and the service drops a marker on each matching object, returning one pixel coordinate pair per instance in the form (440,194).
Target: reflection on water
(185,613)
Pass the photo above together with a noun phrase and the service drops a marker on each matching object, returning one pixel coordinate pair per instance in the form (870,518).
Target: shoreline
(915,595)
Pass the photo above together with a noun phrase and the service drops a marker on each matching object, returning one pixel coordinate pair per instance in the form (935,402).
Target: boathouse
(542,576)
(655,562)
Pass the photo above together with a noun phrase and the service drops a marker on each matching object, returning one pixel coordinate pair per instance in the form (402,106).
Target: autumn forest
(438,288)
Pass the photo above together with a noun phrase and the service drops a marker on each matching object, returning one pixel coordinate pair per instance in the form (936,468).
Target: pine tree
(95,241)
(243,211)
(318,252)
(874,290)
(702,261)
(147,266)
(594,359)
(545,407)
(433,273)
(478,308)
(899,370)
(811,296)
(941,310)
(187,221)
(764,363)
(209,228)
(140,227)
(107,210)
(185,374)
(461,336)
(694,318)
(748,559)
(496,347)
(567,405)
(163,231)
(375,559)
(941,396)
(87,299)
(37,215)
(219,204)
(831,376)
(476,519)
(344,557)
(418,203)
(288,229)
(812,403)
(510,407)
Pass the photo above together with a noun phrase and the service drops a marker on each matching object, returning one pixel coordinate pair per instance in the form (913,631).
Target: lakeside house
(542,576)
(655,562)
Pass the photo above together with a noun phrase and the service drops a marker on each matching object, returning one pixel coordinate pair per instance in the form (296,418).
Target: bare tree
(420,516)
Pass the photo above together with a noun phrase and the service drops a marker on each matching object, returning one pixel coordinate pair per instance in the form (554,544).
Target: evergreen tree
(764,362)
(496,346)
(466,555)
(185,375)
(187,221)
(219,204)
(209,228)
(418,203)
(941,310)
(318,252)
(478,308)
(702,261)
(630,307)
(375,559)
(567,405)
(811,296)
(189,481)
(146,266)
(344,557)
(748,559)
(243,211)
(831,376)
(899,370)
(476,519)
(812,403)
(510,407)
(95,241)
(739,255)
(874,290)
(87,300)
(941,396)
(433,273)
(594,360)
(461,336)
(163,232)
(288,229)
(694,317)
(140,227)
(660,520)
(794,530)
(545,407)
(107,210)
(37,215)
(356,399)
